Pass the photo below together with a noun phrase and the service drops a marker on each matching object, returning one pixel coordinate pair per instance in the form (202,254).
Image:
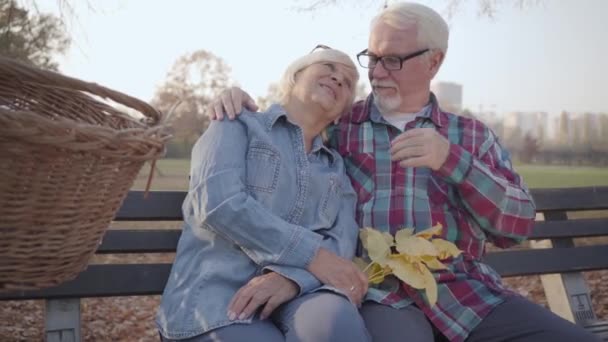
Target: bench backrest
(150,279)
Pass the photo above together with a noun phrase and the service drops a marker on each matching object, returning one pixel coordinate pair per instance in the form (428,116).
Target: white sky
(551,57)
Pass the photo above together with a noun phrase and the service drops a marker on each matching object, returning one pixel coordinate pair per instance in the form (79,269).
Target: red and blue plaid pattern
(476,196)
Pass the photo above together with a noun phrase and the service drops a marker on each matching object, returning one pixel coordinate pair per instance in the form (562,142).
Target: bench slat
(139,241)
(570,228)
(105,281)
(166,205)
(150,279)
(551,260)
(158,206)
(571,199)
(165,241)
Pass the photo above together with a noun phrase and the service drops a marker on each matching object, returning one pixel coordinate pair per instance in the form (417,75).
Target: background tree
(467,113)
(32,38)
(589,130)
(563,133)
(603,135)
(530,148)
(540,133)
(191,83)
(576,127)
(272,96)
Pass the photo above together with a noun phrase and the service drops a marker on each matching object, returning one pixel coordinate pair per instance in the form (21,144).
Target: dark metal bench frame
(63,302)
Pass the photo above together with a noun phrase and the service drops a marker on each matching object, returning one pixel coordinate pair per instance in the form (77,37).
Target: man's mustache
(376,83)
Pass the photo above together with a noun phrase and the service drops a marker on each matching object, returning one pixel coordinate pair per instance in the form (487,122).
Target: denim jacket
(257,202)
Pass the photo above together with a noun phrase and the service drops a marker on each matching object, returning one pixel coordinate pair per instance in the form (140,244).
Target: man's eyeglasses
(393,63)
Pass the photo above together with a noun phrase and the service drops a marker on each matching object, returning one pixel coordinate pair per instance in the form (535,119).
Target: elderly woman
(269,222)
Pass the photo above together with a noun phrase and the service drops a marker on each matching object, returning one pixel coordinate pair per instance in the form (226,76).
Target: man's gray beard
(387,107)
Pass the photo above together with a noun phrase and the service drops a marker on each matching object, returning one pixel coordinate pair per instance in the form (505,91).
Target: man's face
(391,86)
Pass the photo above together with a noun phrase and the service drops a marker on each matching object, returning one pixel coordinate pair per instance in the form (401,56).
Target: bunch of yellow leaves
(417,255)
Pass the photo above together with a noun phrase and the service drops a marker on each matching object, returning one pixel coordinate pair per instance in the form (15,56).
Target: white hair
(288,80)
(433,31)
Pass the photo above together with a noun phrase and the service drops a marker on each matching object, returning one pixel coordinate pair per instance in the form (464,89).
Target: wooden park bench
(560,266)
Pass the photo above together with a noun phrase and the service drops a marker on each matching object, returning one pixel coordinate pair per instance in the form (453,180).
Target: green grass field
(539,176)
(174,175)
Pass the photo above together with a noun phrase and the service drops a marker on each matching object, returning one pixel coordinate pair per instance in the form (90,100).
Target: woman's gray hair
(288,80)
(433,31)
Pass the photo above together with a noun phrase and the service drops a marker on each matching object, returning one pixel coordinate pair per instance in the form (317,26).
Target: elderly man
(414,165)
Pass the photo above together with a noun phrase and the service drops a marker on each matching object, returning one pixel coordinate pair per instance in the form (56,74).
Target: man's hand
(340,273)
(270,290)
(420,147)
(230,102)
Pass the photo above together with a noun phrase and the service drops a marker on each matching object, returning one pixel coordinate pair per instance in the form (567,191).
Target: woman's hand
(230,102)
(270,290)
(340,273)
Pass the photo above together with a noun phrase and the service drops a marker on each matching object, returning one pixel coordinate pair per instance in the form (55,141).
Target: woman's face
(330,85)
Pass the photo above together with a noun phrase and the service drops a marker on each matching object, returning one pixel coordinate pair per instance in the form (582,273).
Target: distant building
(489,117)
(535,124)
(583,128)
(449,95)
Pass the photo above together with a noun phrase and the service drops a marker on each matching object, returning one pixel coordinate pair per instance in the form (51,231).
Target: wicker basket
(67,160)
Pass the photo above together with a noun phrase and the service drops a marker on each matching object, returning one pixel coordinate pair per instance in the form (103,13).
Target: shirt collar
(372,113)
(435,114)
(318,145)
(273,114)
(276,111)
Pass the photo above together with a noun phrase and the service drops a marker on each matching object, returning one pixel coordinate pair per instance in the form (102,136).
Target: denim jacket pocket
(332,199)
(263,164)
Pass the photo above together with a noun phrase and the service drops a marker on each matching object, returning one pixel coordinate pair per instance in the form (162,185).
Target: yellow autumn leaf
(431,288)
(446,249)
(433,263)
(415,274)
(376,273)
(406,232)
(376,280)
(376,245)
(429,233)
(409,272)
(413,245)
(417,255)
(390,240)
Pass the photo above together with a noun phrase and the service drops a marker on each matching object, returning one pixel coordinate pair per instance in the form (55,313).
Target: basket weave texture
(67,161)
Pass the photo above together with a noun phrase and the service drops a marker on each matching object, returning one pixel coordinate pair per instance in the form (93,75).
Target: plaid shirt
(476,196)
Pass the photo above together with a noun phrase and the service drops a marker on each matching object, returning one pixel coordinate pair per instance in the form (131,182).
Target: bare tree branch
(68,14)
(485,8)
(32,38)
(315,5)
(489,8)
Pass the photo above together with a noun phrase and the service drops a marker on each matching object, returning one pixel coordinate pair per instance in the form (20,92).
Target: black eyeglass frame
(382,59)
(320,46)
